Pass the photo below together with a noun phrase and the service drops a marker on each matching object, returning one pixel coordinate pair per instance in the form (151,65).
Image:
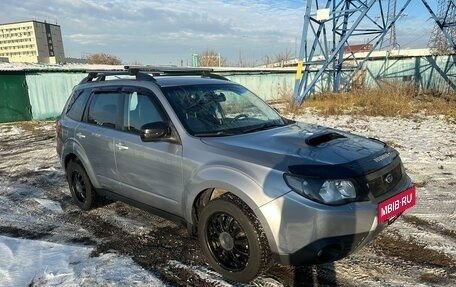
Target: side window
(139,110)
(104,109)
(76,105)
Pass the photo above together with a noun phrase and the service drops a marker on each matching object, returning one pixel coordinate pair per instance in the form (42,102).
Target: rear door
(149,172)
(96,134)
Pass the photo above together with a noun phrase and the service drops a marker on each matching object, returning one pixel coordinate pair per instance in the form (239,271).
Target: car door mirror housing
(155,131)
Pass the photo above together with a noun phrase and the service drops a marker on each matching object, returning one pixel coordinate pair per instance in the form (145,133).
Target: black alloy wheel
(232,239)
(80,185)
(227,241)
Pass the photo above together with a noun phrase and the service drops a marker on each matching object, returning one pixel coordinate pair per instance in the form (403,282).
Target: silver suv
(195,147)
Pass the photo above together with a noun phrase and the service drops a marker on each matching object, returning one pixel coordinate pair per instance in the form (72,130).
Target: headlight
(334,191)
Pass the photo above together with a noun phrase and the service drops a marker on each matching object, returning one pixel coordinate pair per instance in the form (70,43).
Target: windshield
(221,109)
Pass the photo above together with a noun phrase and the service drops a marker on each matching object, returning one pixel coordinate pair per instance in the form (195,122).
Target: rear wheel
(233,240)
(81,187)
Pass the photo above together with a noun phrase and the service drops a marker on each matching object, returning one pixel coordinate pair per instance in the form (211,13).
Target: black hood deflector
(352,169)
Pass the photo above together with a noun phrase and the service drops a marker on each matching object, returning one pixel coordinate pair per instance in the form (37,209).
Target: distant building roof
(357,48)
(56,68)
(27,21)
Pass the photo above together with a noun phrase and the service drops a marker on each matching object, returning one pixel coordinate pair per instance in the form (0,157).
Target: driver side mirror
(155,131)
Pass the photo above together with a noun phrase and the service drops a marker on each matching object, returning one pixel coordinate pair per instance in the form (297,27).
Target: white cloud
(168,31)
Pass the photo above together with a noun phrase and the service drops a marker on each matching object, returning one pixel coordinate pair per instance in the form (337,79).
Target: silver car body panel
(251,166)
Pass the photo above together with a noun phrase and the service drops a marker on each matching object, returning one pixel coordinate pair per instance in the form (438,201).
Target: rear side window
(77,103)
(104,109)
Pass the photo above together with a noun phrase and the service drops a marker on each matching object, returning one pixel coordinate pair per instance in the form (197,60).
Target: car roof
(169,81)
(161,76)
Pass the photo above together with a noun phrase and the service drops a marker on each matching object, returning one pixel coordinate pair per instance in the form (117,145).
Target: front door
(149,172)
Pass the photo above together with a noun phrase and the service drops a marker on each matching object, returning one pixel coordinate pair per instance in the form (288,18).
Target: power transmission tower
(335,25)
(444,32)
(327,58)
(391,18)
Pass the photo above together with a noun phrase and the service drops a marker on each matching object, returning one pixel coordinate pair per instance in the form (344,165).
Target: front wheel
(233,240)
(81,187)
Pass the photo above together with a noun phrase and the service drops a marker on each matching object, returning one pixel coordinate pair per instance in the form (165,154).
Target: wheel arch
(78,153)
(213,187)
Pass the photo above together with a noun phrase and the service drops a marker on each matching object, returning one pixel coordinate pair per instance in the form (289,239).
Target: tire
(233,240)
(81,187)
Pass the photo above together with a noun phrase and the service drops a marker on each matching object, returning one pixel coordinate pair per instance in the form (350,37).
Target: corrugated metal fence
(426,73)
(14,98)
(48,92)
(41,95)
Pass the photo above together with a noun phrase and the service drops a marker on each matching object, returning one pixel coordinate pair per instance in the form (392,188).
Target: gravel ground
(419,249)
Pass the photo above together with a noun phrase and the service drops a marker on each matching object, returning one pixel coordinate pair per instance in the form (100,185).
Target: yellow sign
(299,70)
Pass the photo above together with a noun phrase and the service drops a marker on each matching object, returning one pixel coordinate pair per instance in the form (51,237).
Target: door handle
(121,146)
(80,135)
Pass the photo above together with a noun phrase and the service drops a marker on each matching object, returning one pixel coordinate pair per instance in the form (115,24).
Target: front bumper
(303,232)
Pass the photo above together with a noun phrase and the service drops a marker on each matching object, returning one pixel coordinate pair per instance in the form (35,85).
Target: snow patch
(28,262)
(49,204)
(204,273)
(24,260)
(9,130)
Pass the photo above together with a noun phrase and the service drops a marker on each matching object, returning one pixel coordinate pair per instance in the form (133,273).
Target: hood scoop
(318,139)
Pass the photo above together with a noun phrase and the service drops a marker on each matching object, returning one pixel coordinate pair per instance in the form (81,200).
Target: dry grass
(390,99)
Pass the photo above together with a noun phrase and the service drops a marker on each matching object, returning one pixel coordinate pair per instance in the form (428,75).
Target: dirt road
(419,249)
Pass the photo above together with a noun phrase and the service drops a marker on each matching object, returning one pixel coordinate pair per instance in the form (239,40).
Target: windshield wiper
(214,134)
(261,127)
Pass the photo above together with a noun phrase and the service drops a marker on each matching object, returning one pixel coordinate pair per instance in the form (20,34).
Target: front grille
(381,184)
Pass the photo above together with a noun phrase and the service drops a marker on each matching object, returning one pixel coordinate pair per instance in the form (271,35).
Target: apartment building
(31,42)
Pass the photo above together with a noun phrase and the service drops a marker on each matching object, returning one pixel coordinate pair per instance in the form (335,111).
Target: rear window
(76,104)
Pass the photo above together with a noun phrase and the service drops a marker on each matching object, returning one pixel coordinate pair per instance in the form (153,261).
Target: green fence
(14,98)
(42,94)
(48,92)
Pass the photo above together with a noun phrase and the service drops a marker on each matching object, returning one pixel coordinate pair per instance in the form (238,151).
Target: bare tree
(210,58)
(103,58)
(278,59)
(136,63)
(282,56)
(267,60)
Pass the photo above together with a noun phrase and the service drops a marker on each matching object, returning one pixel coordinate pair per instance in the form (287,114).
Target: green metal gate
(14,98)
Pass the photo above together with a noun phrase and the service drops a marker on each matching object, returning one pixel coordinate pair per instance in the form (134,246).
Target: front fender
(237,183)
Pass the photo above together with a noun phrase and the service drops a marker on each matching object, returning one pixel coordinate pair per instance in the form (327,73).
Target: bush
(103,58)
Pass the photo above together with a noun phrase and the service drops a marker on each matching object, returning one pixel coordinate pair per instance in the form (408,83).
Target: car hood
(307,149)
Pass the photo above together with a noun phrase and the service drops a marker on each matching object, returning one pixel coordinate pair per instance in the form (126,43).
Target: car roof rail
(100,75)
(175,71)
(147,73)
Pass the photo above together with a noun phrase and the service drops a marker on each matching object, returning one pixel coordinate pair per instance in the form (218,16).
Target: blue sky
(168,32)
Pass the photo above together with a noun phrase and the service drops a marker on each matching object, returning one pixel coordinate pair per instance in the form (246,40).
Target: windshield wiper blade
(213,134)
(261,127)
